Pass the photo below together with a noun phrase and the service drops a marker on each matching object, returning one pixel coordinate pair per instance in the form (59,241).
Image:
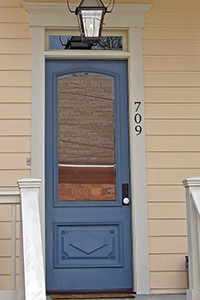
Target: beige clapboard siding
(5,213)
(5,248)
(170,17)
(173,143)
(173,127)
(164,211)
(15,62)
(15,78)
(14,144)
(5,264)
(171,79)
(173,262)
(15,127)
(13,15)
(14,94)
(172,94)
(15,111)
(170,176)
(15,46)
(172,160)
(16,31)
(5,230)
(168,279)
(162,227)
(180,49)
(15,161)
(172,111)
(162,193)
(168,245)
(161,32)
(14,118)
(10,3)
(172,102)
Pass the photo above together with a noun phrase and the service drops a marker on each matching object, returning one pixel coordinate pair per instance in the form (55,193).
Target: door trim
(51,15)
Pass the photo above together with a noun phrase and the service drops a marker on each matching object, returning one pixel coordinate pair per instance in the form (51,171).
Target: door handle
(125,194)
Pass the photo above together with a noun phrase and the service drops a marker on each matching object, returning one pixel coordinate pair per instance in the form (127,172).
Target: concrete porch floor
(161,297)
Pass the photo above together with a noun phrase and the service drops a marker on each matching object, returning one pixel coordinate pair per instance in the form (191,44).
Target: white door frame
(44,16)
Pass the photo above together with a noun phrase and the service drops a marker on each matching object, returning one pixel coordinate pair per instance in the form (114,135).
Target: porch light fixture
(90,15)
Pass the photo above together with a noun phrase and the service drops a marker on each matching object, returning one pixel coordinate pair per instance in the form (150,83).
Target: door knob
(126,201)
(125,194)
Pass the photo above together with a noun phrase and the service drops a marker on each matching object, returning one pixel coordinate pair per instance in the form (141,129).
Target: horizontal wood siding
(172,104)
(14,118)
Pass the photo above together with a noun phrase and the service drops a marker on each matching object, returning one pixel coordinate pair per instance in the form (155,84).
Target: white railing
(12,199)
(192,186)
(32,281)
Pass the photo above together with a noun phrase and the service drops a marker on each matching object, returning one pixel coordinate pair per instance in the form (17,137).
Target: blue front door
(88,213)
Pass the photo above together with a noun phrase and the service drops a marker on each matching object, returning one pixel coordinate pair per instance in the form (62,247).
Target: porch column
(33,264)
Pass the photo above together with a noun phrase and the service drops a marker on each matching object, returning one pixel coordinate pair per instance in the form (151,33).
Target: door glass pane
(86,138)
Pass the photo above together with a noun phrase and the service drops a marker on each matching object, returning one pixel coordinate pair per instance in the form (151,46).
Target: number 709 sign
(137,118)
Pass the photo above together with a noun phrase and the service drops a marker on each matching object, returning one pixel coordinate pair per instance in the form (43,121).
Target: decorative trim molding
(123,16)
(129,17)
(191,182)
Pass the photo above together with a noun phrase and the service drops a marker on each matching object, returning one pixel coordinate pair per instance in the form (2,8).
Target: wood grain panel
(15,62)
(15,78)
(173,94)
(165,193)
(168,280)
(173,262)
(15,144)
(173,143)
(167,210)
(167,245)
(170,176)
(15,94)
(15,46)
(167,227)
(15,127)
(173,160)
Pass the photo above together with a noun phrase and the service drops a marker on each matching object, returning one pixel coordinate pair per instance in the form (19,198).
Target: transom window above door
(71,40)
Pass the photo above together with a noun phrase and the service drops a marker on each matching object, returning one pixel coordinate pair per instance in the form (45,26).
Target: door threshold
(92,296)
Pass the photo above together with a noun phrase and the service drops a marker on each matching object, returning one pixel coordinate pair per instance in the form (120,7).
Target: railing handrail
(9,197)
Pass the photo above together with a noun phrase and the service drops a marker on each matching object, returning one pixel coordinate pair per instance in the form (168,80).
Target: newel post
(192,186)
(33,264)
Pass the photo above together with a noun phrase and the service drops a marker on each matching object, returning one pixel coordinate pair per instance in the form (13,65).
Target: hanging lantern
(90,15)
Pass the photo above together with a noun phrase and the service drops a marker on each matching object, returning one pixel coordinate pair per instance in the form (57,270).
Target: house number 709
(137,118)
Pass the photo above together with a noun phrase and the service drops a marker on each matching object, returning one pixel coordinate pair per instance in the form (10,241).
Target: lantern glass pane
(92,22)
